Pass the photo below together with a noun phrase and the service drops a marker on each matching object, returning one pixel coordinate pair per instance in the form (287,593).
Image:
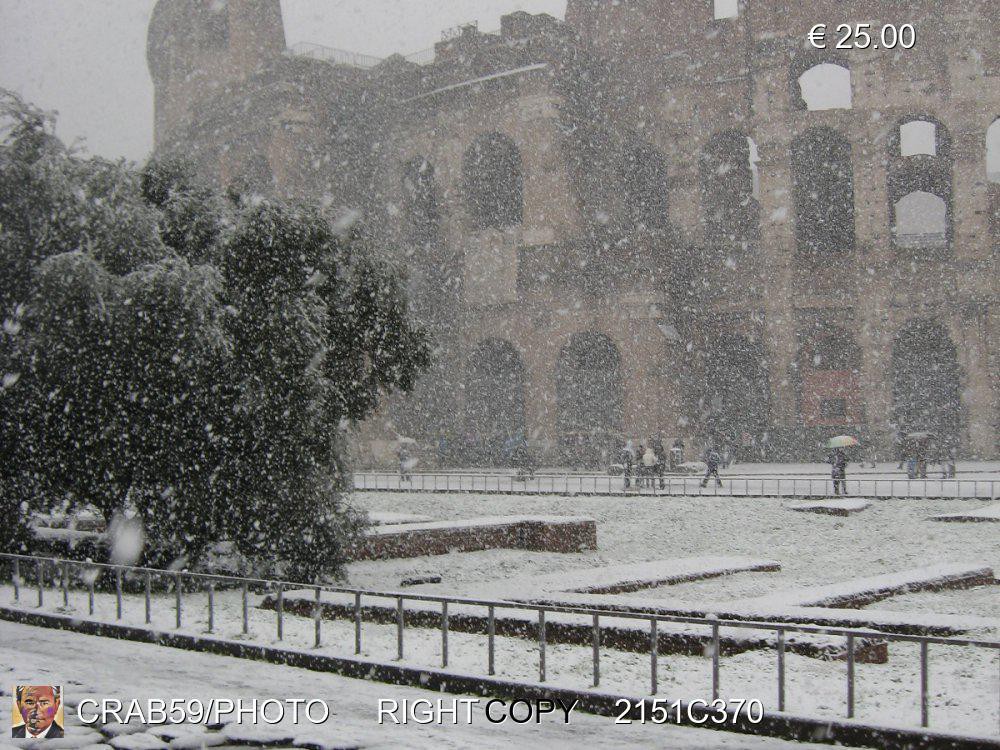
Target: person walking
(950,470)
(661,460)
(649,462)
(838,471)
(404,464)
(628,461)
(712,460)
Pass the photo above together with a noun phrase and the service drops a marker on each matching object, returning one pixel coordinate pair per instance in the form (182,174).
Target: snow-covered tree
(195,361)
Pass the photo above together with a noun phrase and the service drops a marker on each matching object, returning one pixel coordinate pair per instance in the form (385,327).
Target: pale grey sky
(87,58)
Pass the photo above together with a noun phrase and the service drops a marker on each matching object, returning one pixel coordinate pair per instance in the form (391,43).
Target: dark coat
(55,732)
(839,461)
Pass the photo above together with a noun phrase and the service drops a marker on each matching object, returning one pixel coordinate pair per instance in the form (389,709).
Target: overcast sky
(87,58)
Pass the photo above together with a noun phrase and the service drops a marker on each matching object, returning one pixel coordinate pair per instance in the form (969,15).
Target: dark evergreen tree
(167,353)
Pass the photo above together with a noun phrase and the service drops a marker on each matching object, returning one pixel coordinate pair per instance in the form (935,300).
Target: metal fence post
(38,576)
(399,628)
(118,592)
(541,645)
(90,591)
(715,660)
(444,634)
(597,651)
(924,677)
(781,670)
(654,650)
(16,578)
(64,576)
(246,610)
(280,609)
(357,622)
(318,615)
(211,606)
(148,587)
(491,631)
(850,676)
(177,597)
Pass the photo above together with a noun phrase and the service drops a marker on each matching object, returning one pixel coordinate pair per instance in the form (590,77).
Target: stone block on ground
(987,514)
(833,506)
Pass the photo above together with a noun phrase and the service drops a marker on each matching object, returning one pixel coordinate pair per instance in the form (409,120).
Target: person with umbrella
(838,461)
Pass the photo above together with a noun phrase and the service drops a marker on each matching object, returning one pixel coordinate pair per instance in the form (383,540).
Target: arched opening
(495,400)
(217,25)
(420,201)
(825,86)
(823,184)
(736,393)
(920,221)
(918,137)
(494,189)
(589,397)
(726,9)
(829,365)
(926,382)
(754,168)
(728,166)
(430,276)
(993,152)
(993,175)
(645,188)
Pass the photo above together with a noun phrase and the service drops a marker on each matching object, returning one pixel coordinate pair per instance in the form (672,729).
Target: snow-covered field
(813,550)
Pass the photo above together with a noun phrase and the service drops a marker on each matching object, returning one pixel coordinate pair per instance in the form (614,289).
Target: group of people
(647,464)
(916,462)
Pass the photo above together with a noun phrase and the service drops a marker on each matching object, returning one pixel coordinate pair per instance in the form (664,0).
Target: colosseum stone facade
(653,218)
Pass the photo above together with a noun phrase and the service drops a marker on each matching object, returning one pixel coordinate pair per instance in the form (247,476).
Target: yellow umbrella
(841,441)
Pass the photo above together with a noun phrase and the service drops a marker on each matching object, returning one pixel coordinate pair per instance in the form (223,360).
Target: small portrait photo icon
(37,712)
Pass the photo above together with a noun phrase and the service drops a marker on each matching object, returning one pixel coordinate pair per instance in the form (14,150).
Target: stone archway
(495,400)
(926,382)
(736,392)
(589,397)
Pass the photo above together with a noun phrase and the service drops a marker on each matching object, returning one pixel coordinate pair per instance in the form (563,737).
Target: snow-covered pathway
(104,667)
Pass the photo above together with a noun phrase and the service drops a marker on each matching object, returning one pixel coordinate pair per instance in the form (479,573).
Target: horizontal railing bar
(526,606)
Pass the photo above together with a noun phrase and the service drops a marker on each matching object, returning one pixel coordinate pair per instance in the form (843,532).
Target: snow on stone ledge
(858,592)
(989,513)
(616,579)
(834,507)
(480,521)
(380,518)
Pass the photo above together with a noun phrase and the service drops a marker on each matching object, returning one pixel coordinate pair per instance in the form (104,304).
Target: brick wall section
(415,540)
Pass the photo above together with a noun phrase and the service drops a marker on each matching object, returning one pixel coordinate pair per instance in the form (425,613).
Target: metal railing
(89,572)
(673,485)
(333,55)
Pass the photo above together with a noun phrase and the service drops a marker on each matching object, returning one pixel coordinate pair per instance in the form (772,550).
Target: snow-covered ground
(813,550)
(104,667)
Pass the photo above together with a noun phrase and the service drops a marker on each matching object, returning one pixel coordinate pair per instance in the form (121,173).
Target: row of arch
(919,186)
(735,394)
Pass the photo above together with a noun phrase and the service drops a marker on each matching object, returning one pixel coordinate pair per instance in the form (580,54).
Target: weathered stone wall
(672,78)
